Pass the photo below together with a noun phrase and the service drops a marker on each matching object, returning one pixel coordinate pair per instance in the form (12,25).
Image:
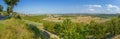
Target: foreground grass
(14,29)
(22,29)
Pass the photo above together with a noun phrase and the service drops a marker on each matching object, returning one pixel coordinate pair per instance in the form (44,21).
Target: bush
(94,30)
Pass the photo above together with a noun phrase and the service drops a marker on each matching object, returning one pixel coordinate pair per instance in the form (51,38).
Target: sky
(66,6)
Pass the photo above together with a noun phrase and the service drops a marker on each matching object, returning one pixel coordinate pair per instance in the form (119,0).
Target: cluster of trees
(94,30)
(10,6)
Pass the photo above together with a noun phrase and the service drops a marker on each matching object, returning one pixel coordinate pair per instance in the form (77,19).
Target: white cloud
(112,7)
(109,8)
(91,9)
(97,6)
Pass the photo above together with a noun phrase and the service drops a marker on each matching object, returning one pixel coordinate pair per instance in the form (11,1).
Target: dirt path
(41,27)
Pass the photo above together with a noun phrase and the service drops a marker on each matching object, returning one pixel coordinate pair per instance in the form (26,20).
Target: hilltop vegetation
(94,30)
(85,26)
(70,30)
(20,29)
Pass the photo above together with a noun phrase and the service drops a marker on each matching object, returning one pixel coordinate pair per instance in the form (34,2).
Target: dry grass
(116,37)
(15,29)
(77,19)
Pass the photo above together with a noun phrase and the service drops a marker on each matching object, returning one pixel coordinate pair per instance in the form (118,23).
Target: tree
(1,8)
(10,5)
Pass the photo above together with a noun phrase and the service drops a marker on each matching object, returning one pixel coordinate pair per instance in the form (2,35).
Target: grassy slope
(22,29)
(14,29)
